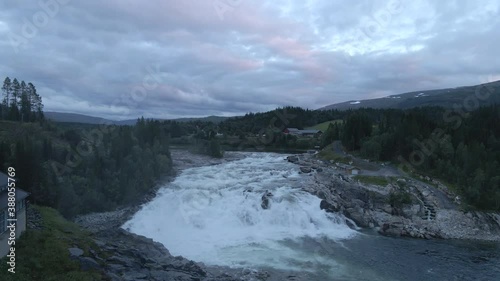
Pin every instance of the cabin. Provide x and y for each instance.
(7, 218)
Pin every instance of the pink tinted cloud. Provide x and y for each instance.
(217, 55)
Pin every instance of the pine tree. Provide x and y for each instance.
(6, 90)
(25, 103)
(16, 93)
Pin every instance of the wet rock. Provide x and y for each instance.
(265, 204)
(358, 216)
(351, 224)
(321, 195)
(392, 229)
(305, 170)
(329, 207)
(293, 159)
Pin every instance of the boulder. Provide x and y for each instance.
(321, 195)
(75, 252)
(357, 215)
(329, 207)
(265, 204)
(305, 170)
(293, 159)
(392, 229)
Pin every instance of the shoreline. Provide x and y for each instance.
(429, 215)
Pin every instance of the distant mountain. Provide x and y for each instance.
(80, 118)
(214, 119)
(75, 118)
(443, 97)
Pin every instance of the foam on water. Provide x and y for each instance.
(213, 214)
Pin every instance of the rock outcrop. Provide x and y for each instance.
(405, 207)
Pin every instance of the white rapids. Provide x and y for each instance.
(213, 214)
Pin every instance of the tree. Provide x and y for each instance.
(6, 90)
(357, 127)
(329, 135)
(25, 103)
(16, 93)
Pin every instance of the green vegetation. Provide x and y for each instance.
(324, 126)
(328, 154)
(399, 199)
(382, 181)
(84, 170)
(357, 127)
(43, 254)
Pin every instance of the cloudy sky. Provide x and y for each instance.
(121, 59)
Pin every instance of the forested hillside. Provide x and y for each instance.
(458, 146)
(78, 168)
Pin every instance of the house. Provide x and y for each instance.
(20, 214)
(305, 133)
(291, 131)
(351, 170)
(310, 133)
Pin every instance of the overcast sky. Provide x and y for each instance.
(121, 59)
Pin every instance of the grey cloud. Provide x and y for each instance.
(92, 55)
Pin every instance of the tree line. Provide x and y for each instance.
(461, 149)
(116, 169)
(20, 101)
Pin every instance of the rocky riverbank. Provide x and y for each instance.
(404, 207)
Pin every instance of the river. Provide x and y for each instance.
(213, 214)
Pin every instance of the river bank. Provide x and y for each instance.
(429, 213)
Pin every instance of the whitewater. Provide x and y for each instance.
(214, 214)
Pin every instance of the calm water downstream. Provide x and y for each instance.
(213, 214)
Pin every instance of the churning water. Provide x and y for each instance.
(215, 215)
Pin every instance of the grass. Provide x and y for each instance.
(43, 254)
(374, 180)
(324, 126)
(328, 154)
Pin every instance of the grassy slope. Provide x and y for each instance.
(43, 254)
(323, 126)
(328, 154)
(382, 181)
